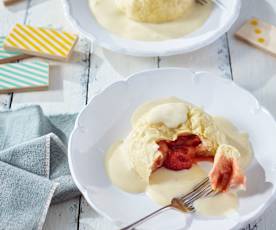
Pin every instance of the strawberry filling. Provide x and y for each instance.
(183, 152)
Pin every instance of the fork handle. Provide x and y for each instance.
(144, 219)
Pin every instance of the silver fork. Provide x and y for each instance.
(183, 203)
(217, 2)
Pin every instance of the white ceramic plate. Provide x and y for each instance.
(107, 119)
(218, 23)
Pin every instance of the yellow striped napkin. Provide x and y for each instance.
(41, 42)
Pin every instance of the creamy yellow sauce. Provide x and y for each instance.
(111, 18)
(223, 204)
(165, 184)
(120, 172)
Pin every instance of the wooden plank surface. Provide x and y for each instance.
(74, 83)
(108, 67)
(213, 58)
(91, 220)
(254, 69)
(63, 216)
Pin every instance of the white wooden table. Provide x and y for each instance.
(72, 84)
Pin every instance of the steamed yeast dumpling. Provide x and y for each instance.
(154, 11)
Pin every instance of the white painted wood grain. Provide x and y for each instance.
(8, 17)
(213, 58)
(108, 67)
(63, 216)
(5, 101)
(67, 93)
(255, 70)
(91, 220)
(252, 68)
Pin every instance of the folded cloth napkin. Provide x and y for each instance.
(34, 170)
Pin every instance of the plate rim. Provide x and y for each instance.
(143, 53)
(262, 108)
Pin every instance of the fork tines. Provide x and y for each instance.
(204, 2)
(203, 189)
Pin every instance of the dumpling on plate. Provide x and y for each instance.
(154, 11)
(174, 135)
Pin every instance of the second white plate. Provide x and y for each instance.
(218, 23)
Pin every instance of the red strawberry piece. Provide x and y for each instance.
(183, 152)
(183, 141)
(178, 161)
(186, 140)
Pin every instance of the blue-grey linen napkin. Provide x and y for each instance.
(34, 170)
